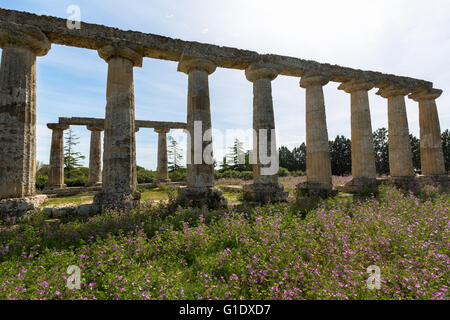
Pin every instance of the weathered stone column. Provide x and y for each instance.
(95, 157)
(363, 157)
(431, 155)
(119, 155)
(265, 187)
(20, 46)
(200, 163)
(56, 166)
(318, 164)
(400, 156)
(163, 172)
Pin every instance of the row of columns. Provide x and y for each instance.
(56, 166)
(363, 161)
(22, 44)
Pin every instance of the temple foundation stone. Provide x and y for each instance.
(119, 156)
(199, 190)
(265, 187)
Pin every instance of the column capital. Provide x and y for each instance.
(162, 130)
(13, 35)
(256, 71)
(355, 85)
(187, 64)
(94, 128)
(118, 50)
(392, 91)
(57, 126)
(425, 94)
(308, 80)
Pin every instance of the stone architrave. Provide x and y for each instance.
(363, 157)
(56, 166)
(318, 164)
(162, 168)
(119, 155)
(200, 166)
(431, 154)
(20, 45)
(265, 187)
(95, 156)
(400, 156)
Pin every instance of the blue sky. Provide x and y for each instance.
(409, 38)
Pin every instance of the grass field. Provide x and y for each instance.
(265, 252)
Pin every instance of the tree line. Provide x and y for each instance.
(341, 154)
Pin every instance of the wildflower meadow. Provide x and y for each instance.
(279, 251)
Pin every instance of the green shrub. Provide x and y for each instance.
(76, 173)
(178, 175)
(145, 176)
(298, 173)
(43, 171)
(246, 175)
(41, 181)
(79, 181)
(283, 172)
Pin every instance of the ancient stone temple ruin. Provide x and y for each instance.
(96, 126)
(25, 36)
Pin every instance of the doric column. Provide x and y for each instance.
(318, 164)
(20, 46)
(265, 186)
(363, 157)
(431, 155)
(400, 156)
(119, 157)
(200, 162)
(163, 173)
(95, 156)
(56, 166)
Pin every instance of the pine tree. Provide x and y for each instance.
(237, 154)
(174, 154)
(71, 157)
(381, 150)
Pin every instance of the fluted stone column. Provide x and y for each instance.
(163, 172)
(20, 46)
(200, 166)
(95, 157)
(318, 164)
(265, 187)
(119, 155)
(400, 156)
(56, 166)
(363, 156)
(431, 155)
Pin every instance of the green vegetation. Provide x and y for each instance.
(262, 252)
